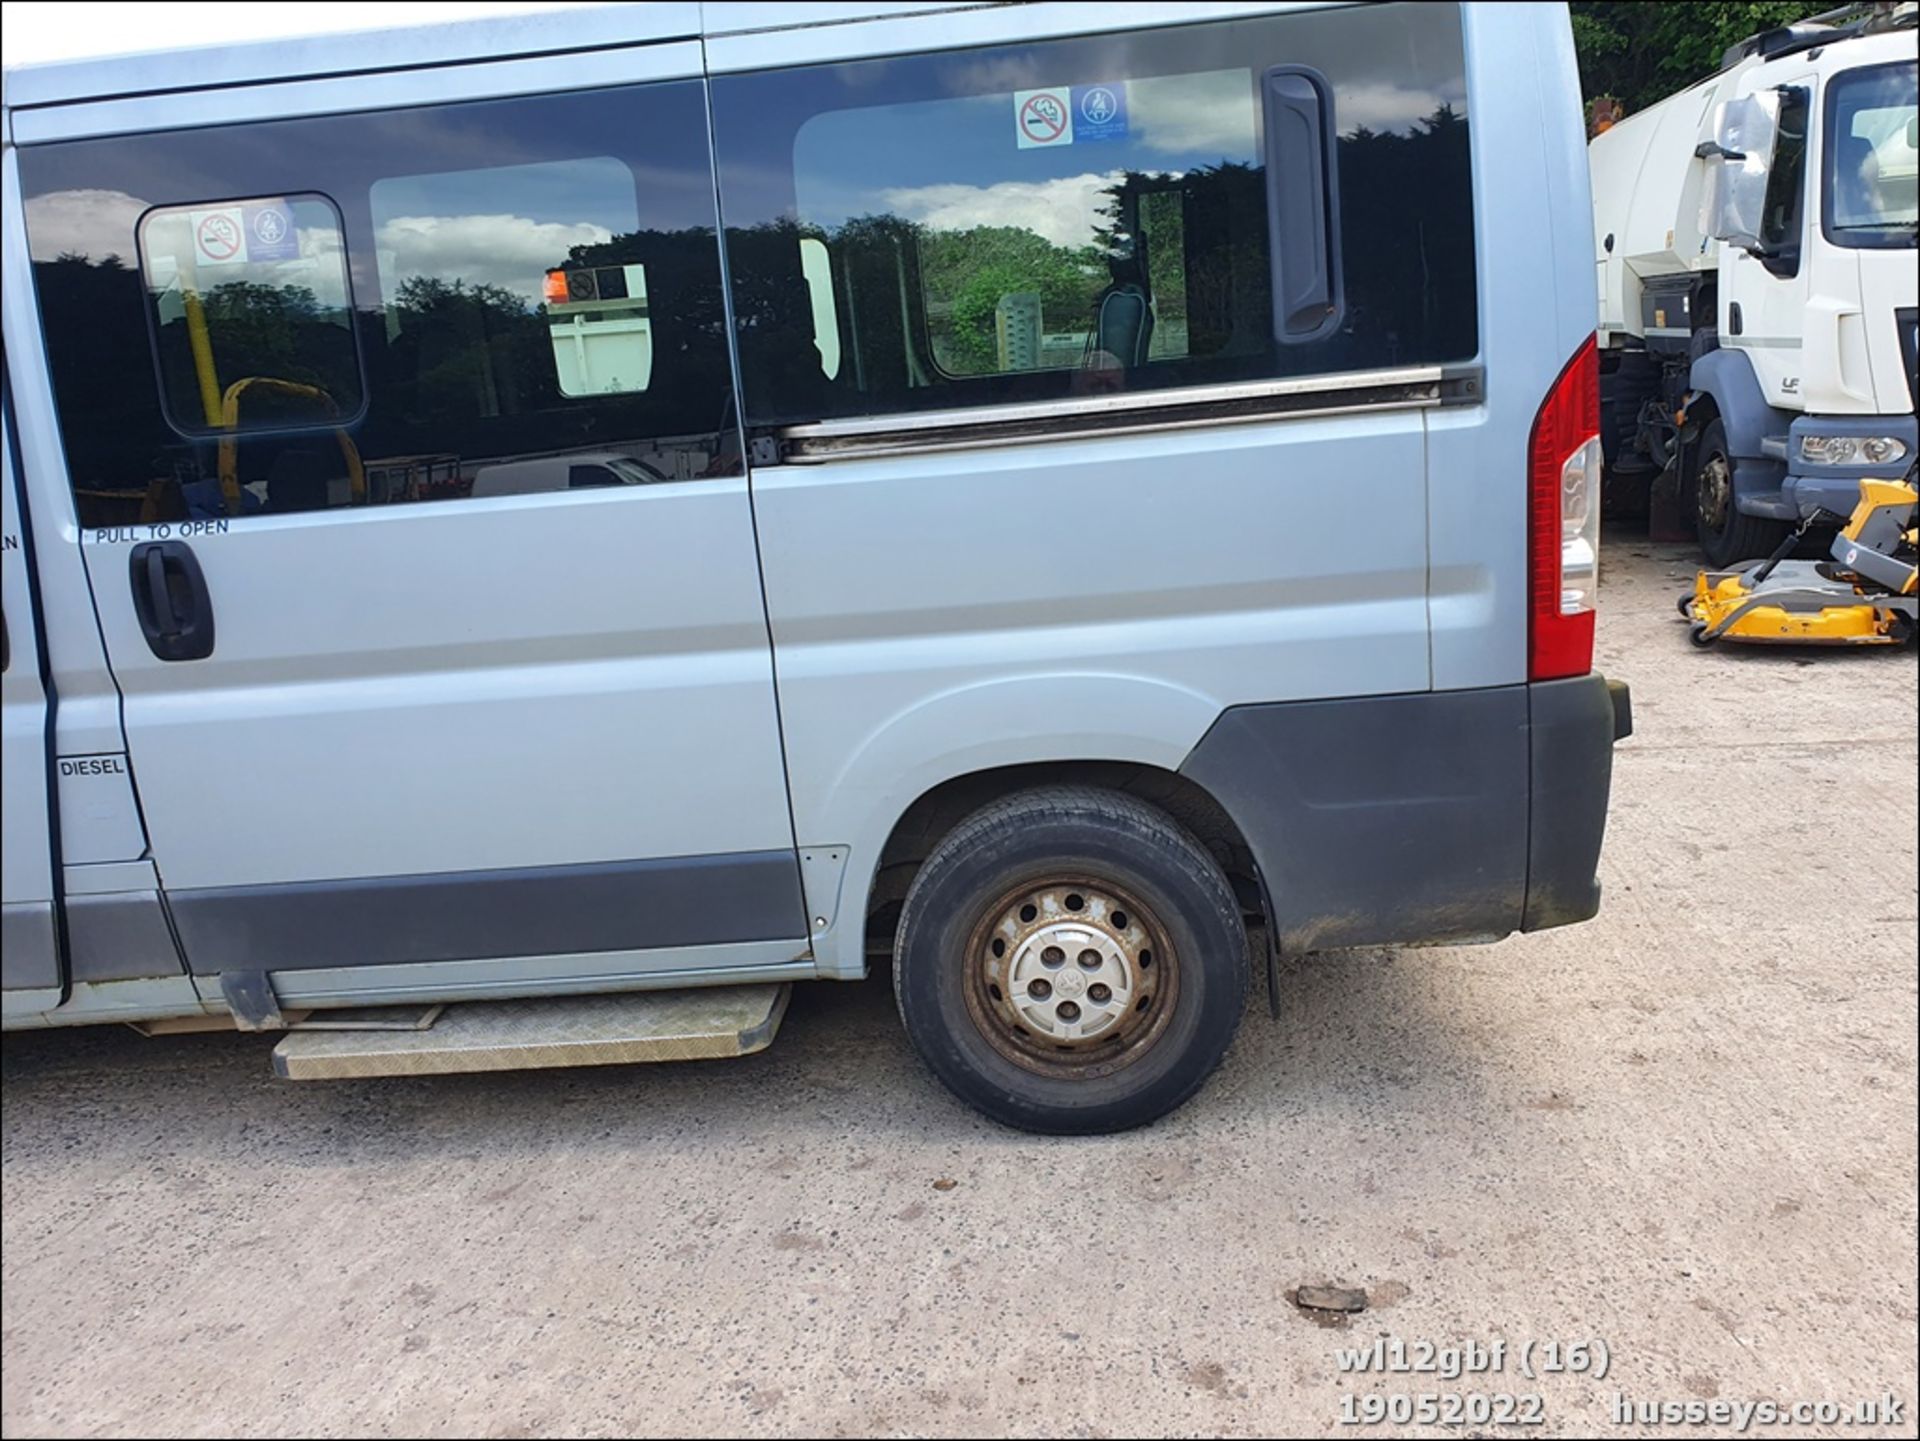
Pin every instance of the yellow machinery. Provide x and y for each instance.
(1866, 594)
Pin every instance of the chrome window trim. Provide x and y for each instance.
(1242, 402)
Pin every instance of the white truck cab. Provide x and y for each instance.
(1755, 243)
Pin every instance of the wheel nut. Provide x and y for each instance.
(1067, 1011)
(1053, 956)
(1090, 960)
(1099, 993)
(1039, 990)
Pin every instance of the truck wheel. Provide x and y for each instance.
(1725, 534)
(1071, 961)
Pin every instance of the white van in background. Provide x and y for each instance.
(1122, 477)
(578, 470)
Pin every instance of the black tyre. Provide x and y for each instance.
(1725, 534)
(1071, 961)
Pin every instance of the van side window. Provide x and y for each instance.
(252, 317)
(1077, 216)
(466, 254)
(434, 324)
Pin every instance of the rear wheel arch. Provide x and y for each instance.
(941, 809)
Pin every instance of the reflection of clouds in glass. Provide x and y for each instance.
(1207, 113)
(979, 78)
(513, 252)
(1382, 105)
(93, 223)
(1063, 211)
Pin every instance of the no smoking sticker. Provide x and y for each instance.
(1043, 118)
(219, 236)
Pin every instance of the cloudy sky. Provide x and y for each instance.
(506, 225)
(867, 161)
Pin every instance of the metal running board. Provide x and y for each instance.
(688, 1025)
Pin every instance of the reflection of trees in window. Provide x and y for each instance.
(470, 367)
(257, 329)
(1198, 242)
(913, 301)
(1406, 222)
(965, 273)
(774, 310)
(469, 350)
(1163, 234)
(689, 393)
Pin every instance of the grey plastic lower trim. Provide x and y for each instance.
(119, 937)
(1573, 724)
(29, 959)
(1424, 819)
(469, 915)
(1391, 820)
(88, 1003)
(508, 977)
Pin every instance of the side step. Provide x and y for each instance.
(689, 1025)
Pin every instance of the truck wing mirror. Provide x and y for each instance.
(1738, 160)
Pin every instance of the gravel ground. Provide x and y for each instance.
(1686, 1130)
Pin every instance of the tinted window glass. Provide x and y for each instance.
(444, 239)
(1042, 220)
(533, 281)
(1786, 184)
(252, 320)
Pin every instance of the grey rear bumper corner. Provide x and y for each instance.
(1572, 728)
(1439, 817)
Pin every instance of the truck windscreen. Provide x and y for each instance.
(1871, 170)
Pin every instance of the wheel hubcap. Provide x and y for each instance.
(1070, 977)
(1715, 491)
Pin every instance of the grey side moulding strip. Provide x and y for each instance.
(473, 915)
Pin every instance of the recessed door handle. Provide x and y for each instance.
(157, 597)
(171, 600)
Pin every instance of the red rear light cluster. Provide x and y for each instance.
(1563, 521)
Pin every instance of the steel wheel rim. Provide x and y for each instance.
(1715, 492)
(1070, 976)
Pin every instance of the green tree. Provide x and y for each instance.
(965, 272)
(474, 347)
(1641, 51)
